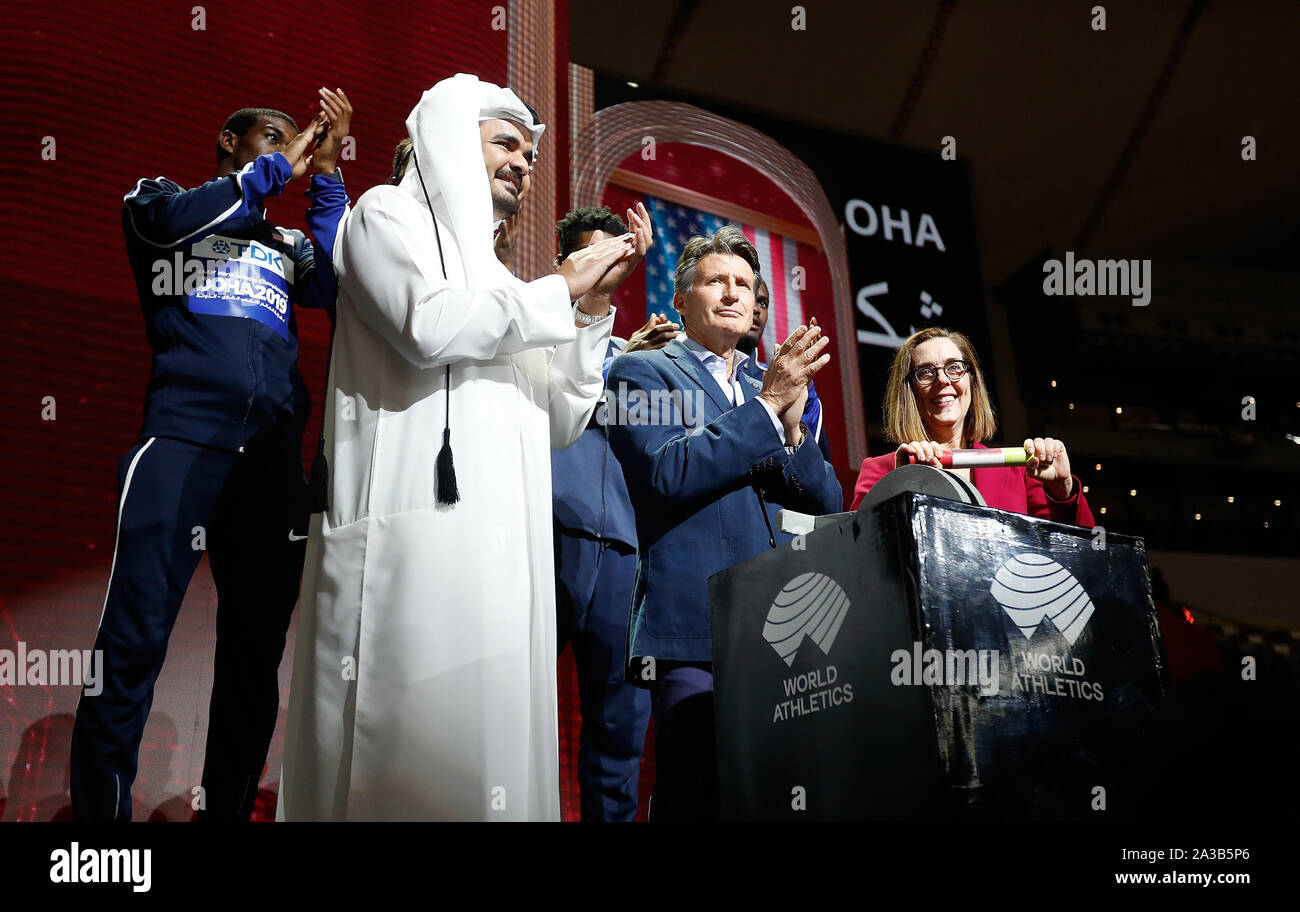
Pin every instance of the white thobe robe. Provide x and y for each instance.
(424, 683)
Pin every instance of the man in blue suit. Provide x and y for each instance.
(711, 448)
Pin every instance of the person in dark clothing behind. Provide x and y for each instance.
(218, 464)
(595, 565)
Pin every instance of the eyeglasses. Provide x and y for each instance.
(928, 373)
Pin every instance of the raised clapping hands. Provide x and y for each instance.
(643, 239)
(585, 267)
(296, 150)
(503, 242)
(338, 117)
(657, 332)
(785, 385)
(319, 144)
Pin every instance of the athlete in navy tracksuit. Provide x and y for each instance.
(219, 459)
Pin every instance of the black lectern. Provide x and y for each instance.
(925, 658)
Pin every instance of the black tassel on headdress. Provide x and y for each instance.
(446, 492)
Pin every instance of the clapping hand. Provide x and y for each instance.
(642, 238)
(296, 150)
(657, 332)
(785, 384)
(338, 116)
(503, 242)
(585, 267)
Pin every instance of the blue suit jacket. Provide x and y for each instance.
(705, 492)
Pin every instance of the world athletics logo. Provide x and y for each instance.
(810, 605)
(1031, 587)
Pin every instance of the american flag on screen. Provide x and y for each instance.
(777, 257)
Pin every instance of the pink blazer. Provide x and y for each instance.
(1010, 489)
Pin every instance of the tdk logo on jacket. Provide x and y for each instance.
(234, 249)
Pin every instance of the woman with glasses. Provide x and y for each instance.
(936, 400)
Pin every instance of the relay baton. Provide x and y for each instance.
(969, 459)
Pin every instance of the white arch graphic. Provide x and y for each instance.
(616, 132)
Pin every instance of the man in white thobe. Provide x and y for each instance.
(424, 673)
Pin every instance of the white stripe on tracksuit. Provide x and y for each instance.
(121, 507)
(117, 533)
(201, 232)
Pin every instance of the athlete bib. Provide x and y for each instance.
(242, 278)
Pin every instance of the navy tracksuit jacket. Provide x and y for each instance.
(217, 467)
